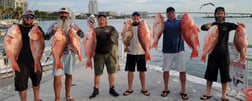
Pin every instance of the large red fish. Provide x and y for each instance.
(58, 44)
(12, 44)
(189, 32)
(37, 44)
(241, 42)
(75, 42)
(127, 34)
(158, 28)
(210, 42)
(144, 36)
(89, 43)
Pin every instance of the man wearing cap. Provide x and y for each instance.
(68, 58)
(173, 51)
(219, 57)
(136, 56)
(26, 62)
(107, 37)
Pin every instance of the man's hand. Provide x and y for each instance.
(208, 25)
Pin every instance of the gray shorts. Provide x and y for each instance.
(177, 58)
(68, 62)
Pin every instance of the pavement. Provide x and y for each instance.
(83, 87)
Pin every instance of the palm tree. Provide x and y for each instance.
(19, 11)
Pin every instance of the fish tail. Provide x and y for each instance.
(242, 57)
(80, 58)
(154, 45)
(15, 67)
(89, 63)
(59, 64)
(194, 54)
(203, 58)
(37, 67)
(147, 56)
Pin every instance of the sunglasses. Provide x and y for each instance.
(29, 16)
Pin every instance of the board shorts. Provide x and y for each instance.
(177, 58)
(133, 60)
(100, 60)
(22, 77)
(68, 62)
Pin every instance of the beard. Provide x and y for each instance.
(64, 24)
(220, 19)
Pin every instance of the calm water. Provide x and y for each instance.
(194, 66)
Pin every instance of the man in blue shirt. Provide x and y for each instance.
(173, 50)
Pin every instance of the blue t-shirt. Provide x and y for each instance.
(172, 40)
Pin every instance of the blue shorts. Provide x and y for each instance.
(68, 62)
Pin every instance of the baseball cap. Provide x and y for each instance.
(64, 9)
(219, 9)
(100, 15)
(170, 9)
(136, 13)
(28, 12)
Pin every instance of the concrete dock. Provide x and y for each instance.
(83, 87)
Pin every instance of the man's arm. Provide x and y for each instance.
(50, 32)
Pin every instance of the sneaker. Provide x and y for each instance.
(113, 92)
(95, 92)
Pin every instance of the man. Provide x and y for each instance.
(219, 58)
(68, 58)
(106, 36)
(26, 61)
(136, 55)
(173, 50)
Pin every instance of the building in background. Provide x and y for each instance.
(93, 7)
(14, 4)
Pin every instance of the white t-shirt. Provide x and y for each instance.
(135, 47)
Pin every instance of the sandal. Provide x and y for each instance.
(70, 98)
(165, 93)
(184, 96)
(205, 97)
(127, 92)
(145, 92)
(224, 99)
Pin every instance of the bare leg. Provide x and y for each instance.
(183, 81)
(68, 83)
(209, 87)
(166, 80)
(36, 93)
(97, 81)
(142, 79)
(22, 95)
(224, 90)
(57, 87)
(111, 79)
(130, 80)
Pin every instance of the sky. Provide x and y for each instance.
(128, 6)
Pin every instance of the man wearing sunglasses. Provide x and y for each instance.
(26, 61)
(68, 58)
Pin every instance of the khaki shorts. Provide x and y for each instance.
(177, 58)
(100, 60)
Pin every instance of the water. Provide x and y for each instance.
(195, 66)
